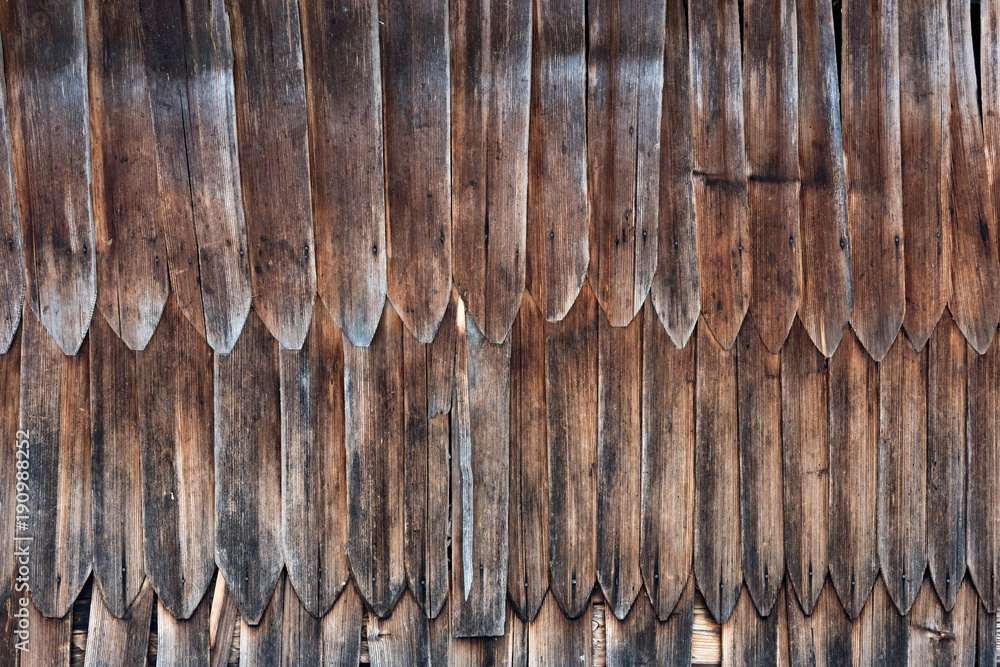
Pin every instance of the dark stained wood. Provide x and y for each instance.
(631, 640)
(674, 289)
(314, 478)
(770, 82)
(116, 472)
(988, 71)
(853, 444)
(121, 640)
(674, 636)
(554, 639)
(439, 630)
(490, 102)
(270, 94)
(184, 643)
(870, 104)
(509, 650)
(762, 530)
(947, 374)
(624, 102)
(373, 428)
(222, 623)
(823, 638)
(401, 639)
(805, 460)
(260, 644)
(720, 173)
(12, 263)
(571, 351)
(248, 469)
(415, 91)
(10, 457)
(55, 420)
(667, 487)
(49, 641)
(528, 561)
(558, 217)
(342, 629)
(751, 640)
(301, 632)
(45, 56)
(480, 482)
(717, 544)
(344, 92)
(881, 636)
(939, 637)
(986, 637)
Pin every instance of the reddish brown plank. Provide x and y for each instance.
(983, 441)
(823, 638)
(988, 70)
(571, 351)
(222, 623)
(13, 459)
(881, 635)
(401, 639)
(751, 640)
(48, 641)
(260, 643)
(342, 629)
(184, 642)
(119, 640)
(940, 637)
(12, 263)
(490, 95)
(270, 94)
(554, 639)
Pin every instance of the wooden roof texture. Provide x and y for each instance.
(448, 324)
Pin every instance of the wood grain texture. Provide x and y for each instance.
(988, 71)
(805, 464)
(853, 446)
(260, 643)
(880, 636)
(301, 632)
(983, 492)
(770, 83)
(270, 94)
(870, 104)
(631, 640)
(762, 532)
(50, 641)
(674, 637)
(401, 639)
(571, 351)
(558, 214)
(314, 521)
(667, 484)
(119, 640)
(624, 102)
(940, 637)
(751, 640)
(55, 418)
(247, 400)
(342, 629)
(184, 642)
(823, 638)
(373, 429)
(11, 252)
(717, 541)
(10, 457)
(947, 375)
(554, 639)
(509, 650)
(986, 637)
(416, 93)
(344, 92)
(490, 93)
(222, 623)
(480, 482)
(720, 171)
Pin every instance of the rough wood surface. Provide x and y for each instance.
(402, 639)
(823, 638)
(554, 639)
(510, 649)
(260, 643)
(986, 638)
(749, 640)
(301, 632)
(939, 637)
(674, 637)
(50, 641)
(988, 72)
(881, 635)
(631, 640)
(342, 629)
(120, 639)
(983, 442)
(222, 623)
(184, 642)
(10, 461)
(11, 252)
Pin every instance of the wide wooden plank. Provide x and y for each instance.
(824, 637)
(46, 64)
(301, 632)
(119, 640)
(853, 446)
(314, 464)
(373, 430)
(631, 640)
(184, 642)
(667, 486)
(751, 640)
(571, 351)
(48, 641)
(54, 423)
(260, 643)
(480, 481)
(880, 636)
(416, 60)
(870, 104)
(270, 94)
(558, 217)
(248, 469)
(805, 458)
(116, 472)
(940, 637)
(554, 639)
(401, 639)
(12, 263)
(342, 629)
(720, 170)
(717, 544)
(509, 650)
(10, 462)
(490, 102)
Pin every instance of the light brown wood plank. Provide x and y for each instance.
(119, 640)
(982, 537)
(751, 640)
(342, 629)
(631, 640)
(509, 650)
(823, 638)
(401, 639)
(988, 71)
(301, 632)
(261, 643)
(554, 639)
(986, 638)
(939, 637)
(880, 636)
(184, 642)
(11, 458)
(674, 636)
(49, 641)
(222, 623)
(11, 252)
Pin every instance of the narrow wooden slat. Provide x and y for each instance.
(558, 222)
(760, 456)
(983, 493)
(373, 429)
(314, 485)
(439, 630)
(343, 89)
(749, 639)
(480, 482)
(571, 351)
(631, 640)
(119, 570)
(870, 103)
(720, 174)
(10, 462)
(12, 262)
(940, 637)
(45, 59)
(823, 638)
(508, 650)
(805, 459)
(988, 71)
(55, 419)
(528, 563)
(675, 636)
(49, 641)
(270, 94)
(667, 487)
(301, 632)
(184, 642)
(490, 93)
(260, 643)
(853, 429)
(770, 81)
(415, 57)
(986, 638)
(880, 636)
(119, 640)
(401, 639)
(554, 639)
(248, 469)
(222, 623)
(717, 545)
(342, 629)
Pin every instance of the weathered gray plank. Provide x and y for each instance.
(751, 640)
(12, 262)
(401, 639)
(10, 461)
(260, 643)
(554, 639)
(119, 640)
(940, 637)
(184, 642)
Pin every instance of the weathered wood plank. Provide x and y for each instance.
(49, 644)
(986, 638)
(717, 544)
(720, 172)
(373, 429)
(10, 461)
(260, 643)
(12, 264)
(248, 469)
(674, 637)
(184, 642)
(824, 637)
(751, 640)
(416, 63)
(853, 445)
(631, 640)
(490, 93)
(880, 636)
(270, 94)
(342, 629)
(401, 639)
(301, 632)
(571, 351)
(989, 86)
(554, 639)
(119, 640)
(509, 650)
(940, 637)
(983, 495)
(222, 623)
